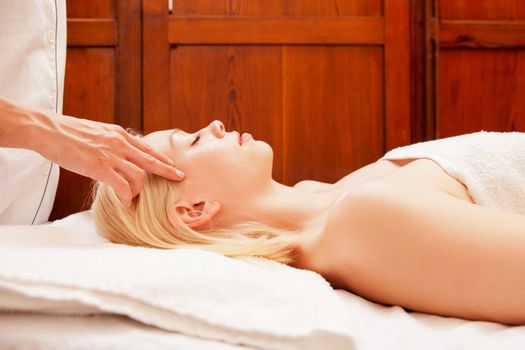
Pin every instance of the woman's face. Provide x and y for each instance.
(218, 165)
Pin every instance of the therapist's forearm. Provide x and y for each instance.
(21, 125)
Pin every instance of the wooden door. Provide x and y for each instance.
(480, 66)
(331, 85)
(326, 83)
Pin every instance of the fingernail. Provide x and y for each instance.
(170, 162)
(179, 173)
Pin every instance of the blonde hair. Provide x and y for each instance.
(145, 223)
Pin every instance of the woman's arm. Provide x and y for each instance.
(103, 152)
(428, 251)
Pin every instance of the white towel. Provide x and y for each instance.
(490, 164)
(248, 301)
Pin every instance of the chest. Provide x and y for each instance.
(403, 175)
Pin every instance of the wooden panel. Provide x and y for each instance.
(480, 69)
(421, 71)
(89, 92)
(90, 8)
(239, 85)
(397, 73)
(323, 94)
(333, 111)
(278, 7)
(482, 9)
(317, 89)
(484, 34)
(481, 89)
(156, 66)
(91, 32)
(129, 64)
(228, 30)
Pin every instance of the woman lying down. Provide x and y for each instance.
(400, 231)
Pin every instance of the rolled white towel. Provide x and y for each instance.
(490, 164)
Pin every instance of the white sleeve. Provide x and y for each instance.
(32, 65)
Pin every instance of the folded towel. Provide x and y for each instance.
(249, 301)
(490, 164)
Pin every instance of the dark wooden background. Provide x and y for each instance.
(330, 84)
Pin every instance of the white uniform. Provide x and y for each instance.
(32, 65)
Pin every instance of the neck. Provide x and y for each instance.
(287, 207)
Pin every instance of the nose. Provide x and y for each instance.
(217, 128)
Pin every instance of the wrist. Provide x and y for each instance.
(37, 129)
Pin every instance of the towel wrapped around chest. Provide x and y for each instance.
(490, 164)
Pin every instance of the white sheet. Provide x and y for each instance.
(112, 332)
(376, 327)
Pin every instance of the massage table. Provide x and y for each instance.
(64, 287)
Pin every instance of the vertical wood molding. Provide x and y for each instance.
(397, 73)
(418, 69)
(129, 64)
(156, 66)
(432, 43)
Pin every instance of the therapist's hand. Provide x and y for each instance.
(105, 152)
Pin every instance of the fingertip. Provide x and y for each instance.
(125, 202)
(180, 174)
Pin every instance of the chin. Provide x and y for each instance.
(266, 147)
(261, 146)
(258, 159)
(266, 155)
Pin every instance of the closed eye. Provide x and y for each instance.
(196, 140)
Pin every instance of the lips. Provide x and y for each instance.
(243, 137)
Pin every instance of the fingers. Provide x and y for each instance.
(108, 154)
(126, 179)
(153, 161)
(120, 185)
(147, 149)
(133, 175)
(153, 165)
(126, 175)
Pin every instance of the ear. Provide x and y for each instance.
(196, 215)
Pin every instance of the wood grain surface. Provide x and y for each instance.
(480, 66)
(330, 84)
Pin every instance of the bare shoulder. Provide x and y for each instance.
(428, 251)
(336, 250)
